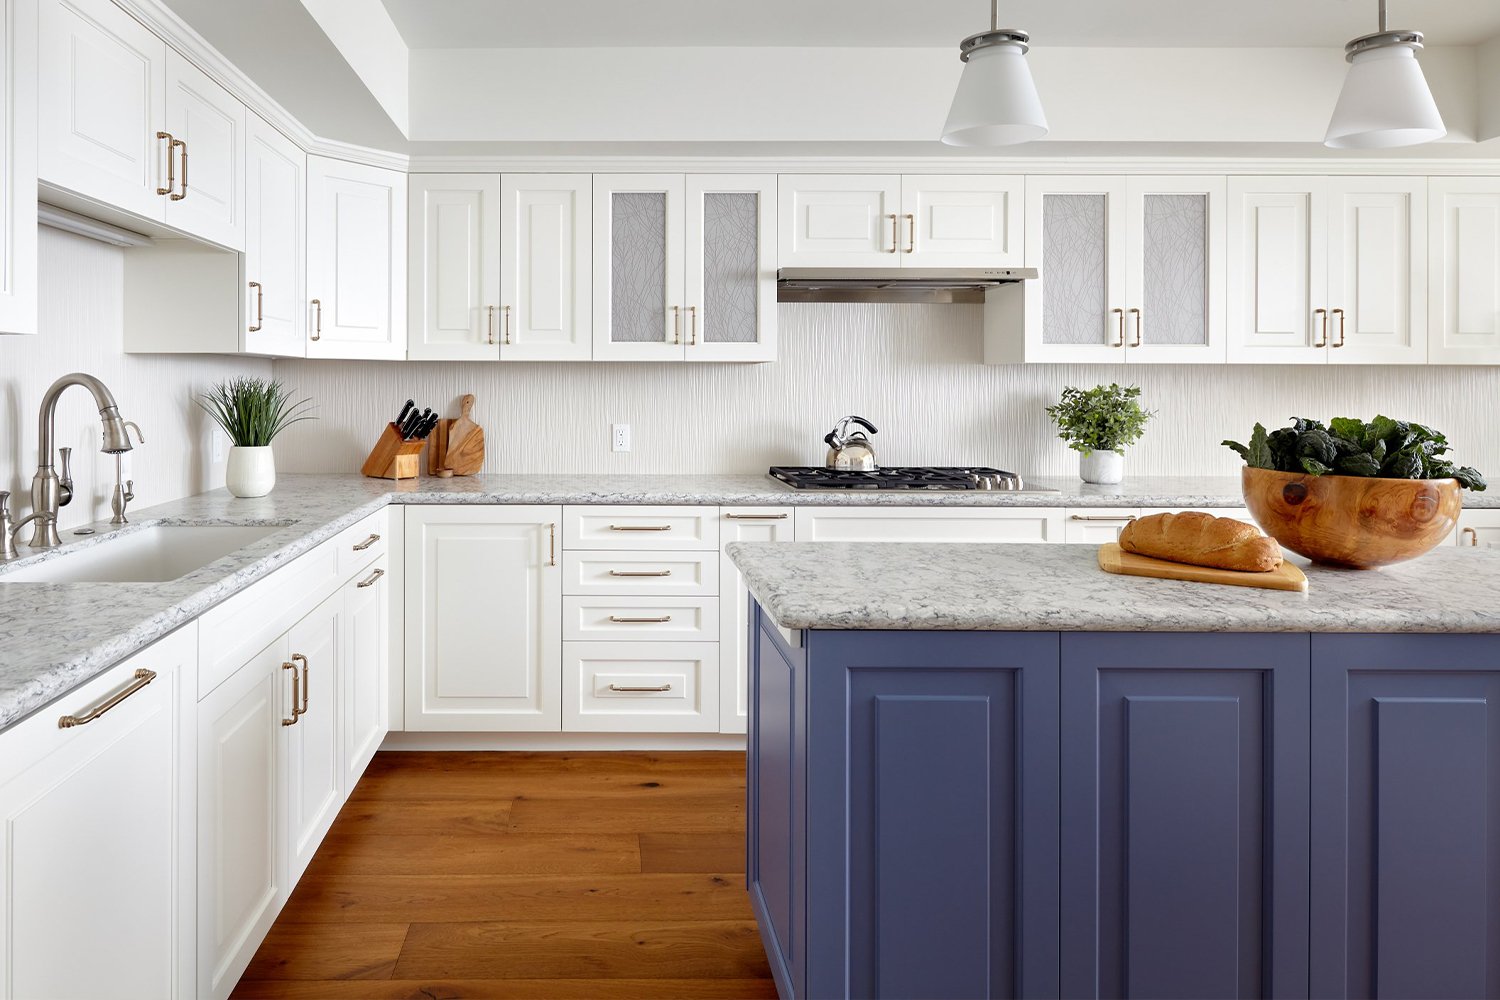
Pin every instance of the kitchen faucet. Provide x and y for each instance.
(49, 492)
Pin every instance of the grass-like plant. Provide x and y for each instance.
(1104, 418)
(253, 411)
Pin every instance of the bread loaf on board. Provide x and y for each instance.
(1202, 540)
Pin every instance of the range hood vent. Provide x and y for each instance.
(894, 284)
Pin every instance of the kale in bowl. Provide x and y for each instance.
(1381, 449)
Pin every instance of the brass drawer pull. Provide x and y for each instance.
(911, 233)
(506, 311)
(366, 543)
(259, 310)
(895, 233)
(180, 144)
(757, 517)
(552, 544)
(618, 620)
(317, 305)
(693, 326)
(1472, 535)
(1340, 314)
(1322, 315)
(632, 688)
(490, 336)
(1101, 517)
(296, 694)
(640, 572)
(1137, 341)
(677, 324)
(371, 581)
(306, 684)
(640, 527)
(142, 677)
(171, 164)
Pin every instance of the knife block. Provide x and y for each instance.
(394, 458)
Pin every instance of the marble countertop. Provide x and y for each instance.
(1038, 587)
(55, 636)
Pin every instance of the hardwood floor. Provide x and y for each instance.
(502, 876)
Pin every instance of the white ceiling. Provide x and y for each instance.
(478, 24)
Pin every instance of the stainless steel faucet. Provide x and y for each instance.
(49, 492)
(9, 530)
(124, 488)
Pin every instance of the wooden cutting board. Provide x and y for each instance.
(1113, 559)
(460, 447)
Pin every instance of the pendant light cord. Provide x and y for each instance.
(1382, 16)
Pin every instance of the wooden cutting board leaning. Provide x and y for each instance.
(1113, 559)
(457, 445)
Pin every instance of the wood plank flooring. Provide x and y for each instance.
(502, 876)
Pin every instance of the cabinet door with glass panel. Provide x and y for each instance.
(731, 267)
(1075, 237)
(638, 267)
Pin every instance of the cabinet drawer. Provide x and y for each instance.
(661, 687)
(362, 543)
(1096, 525)
(633, 618)
(685, 574)
(639, 527)
(929, 524)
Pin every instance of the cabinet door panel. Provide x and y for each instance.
(731, 267)
(638, 267)
(741, 524)
(314, 744)
(961, 221)
(1464, 276)
(1096, 525)
(366, 659)
(1278, 270)
(1377, 243)
(18, 146)
(1406, 897)
(546, 286)
(454, 267)
(102, 101)
(210, 123)
(829, 220)
(356, 239)
(1175, 242)
(1075, 234)
(634, 687)
(1184, 762)
(484, 628)
(275, 227)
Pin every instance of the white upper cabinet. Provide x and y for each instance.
(961, 221)
(356, 249)
(731, 267)
(638, 267)
(274, 303)
(207, 156)
(834, 220)
(454, 267)
(1464, 270)
(1174, 270)
(1327, 270)
(18, 155)
(546, 284)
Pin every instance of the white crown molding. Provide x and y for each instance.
(193, 47)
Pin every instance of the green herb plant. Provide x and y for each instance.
(1381, 449)
(253, 411)
(1104, 418)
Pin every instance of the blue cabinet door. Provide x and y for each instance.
(1184, 815)
(1406, 816)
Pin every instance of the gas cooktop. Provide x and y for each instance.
(917, 477)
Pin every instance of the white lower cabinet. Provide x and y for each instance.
(483, 618)
(929, 524)
(1096, 525)
(314, 749)
(641, 687)
(96, 886)
(367, 661)
(1478, 529)
(741, 524)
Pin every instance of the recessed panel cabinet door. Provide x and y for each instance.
(1377, 270)
(454, 267)
(366, 658)
(1278, 270)
(741, 524)
(483, 618)
(1184, 815)
(275, 227)
(314, 743)
(832, 220)
(356, 250)
(546, 280)
(18, 147)
(961, 221)
(207, 124)
(102, 101)
(1406, 816)
(1464, 270)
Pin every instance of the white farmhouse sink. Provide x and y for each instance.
(153, 554)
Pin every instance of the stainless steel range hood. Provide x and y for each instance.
(894, 284)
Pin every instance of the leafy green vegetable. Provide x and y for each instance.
(1104, 418)
(1383, 448)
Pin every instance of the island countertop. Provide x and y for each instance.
(1038, 587)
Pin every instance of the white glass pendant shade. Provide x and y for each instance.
(996, 103)
(1385, 102)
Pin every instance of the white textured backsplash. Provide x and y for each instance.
(913, 370)
(82, 329)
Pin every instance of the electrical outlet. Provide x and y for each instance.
(619, 437)
(216, 447)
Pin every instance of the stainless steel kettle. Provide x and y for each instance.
(851, 450)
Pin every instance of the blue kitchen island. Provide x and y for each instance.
(995, 771)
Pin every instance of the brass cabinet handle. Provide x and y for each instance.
(1340, 314)
(140, 679)
(171, 164)
(178, 144)
(1322, 340)
(640, 572)
(634, 687)
(489, 337)
(895, 233)
(306, 684)
(677, 324)
(366, 543)
(640, 527)
(757, 517)
(1101, 517)
(618, 620)
(318, 326)
(370, 581)
(1137, 341)
(911, 233)
(552, 545)
(259, 308)
(296, 694)
(1120, 334)
(692, 326)
(1473, 536)
(506, 311)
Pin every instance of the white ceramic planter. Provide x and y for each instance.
(251, 471)
(1102, 467)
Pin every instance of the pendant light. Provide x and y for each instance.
(1385, 101)
(996, 103)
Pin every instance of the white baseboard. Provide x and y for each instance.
(565, 741)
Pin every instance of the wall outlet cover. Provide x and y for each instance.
(619, 437)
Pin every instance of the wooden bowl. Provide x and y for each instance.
(1350, 520)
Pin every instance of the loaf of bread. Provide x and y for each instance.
(1202, 540)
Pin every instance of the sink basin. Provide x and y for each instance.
(154, 554)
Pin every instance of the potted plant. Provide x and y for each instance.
(252, 411)
(1100, 423)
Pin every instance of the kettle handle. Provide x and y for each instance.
(863, 423)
